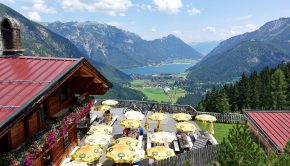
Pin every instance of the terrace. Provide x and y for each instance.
(189, 147)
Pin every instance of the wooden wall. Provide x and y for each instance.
(55, 104)
(58, 151)
(262, 141)
(17, 135)
(32, 124)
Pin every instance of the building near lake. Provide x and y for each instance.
(271, 128)
(38, 98)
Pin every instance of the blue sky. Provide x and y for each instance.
(191, 20)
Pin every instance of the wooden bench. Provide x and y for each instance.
(74, 150)
(176, 146)
(189, 142)
(213, 140)
(114, 120)
(93, 118)
(148, 141)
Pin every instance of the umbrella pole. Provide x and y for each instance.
(158, 126)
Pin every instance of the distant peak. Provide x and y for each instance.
(275, 24)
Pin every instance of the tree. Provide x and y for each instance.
(255, 91)
(240, 149)
(222, 102)
(266, 97)
(278, 89)
(244, 93)
(283, 159)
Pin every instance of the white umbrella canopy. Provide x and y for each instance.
(75, 163)
(110, 102)
(162, 137)
(140, 155)
(98, 139)
(134, 115)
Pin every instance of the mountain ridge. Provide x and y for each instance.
(267, 46)
(106, 43)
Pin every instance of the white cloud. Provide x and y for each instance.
(244, 17)
(251, 27)
(176, 32)
(169, 6)
(193, 11)
(210, 29)
(33, 16)
(11, 1)
(153, 30)
(39, 6)
(110, 7)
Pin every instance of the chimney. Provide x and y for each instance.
(11, 39)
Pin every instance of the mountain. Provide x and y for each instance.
(204, 47)
(267, 46)
(37, 40)
(122, 49)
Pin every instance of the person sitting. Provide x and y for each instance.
(107, 117)
(126, 132)
(141, 131)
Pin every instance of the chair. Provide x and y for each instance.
(176, 146)
(140, 139)
(113, 120)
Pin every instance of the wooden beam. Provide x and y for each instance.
(81, 82)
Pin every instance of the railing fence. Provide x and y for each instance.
(176, 108)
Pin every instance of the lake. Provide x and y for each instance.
(161, 69)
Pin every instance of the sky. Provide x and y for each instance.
(191, 20)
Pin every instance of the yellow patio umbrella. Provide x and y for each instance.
(88, 153)
(110, 102)
(181, 117)
(160, 153)
(162, 137)
(102, 108)
(126, 141)
(75, 163)
(130, 123)
(207, 118)
(185, 127)
(158, 116)
(121, 153)
(101, 129)
(98, 139)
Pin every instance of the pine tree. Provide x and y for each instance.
(200, 107)
(239, 149)
(278, 89)
(255, 90)
(266, 97)
(222, 102)
(244, 93)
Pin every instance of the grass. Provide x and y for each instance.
(176, 93)
(137, 83)
(156, 94)
(221, 130)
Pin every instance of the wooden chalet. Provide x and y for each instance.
(271, 128)
(35, 90)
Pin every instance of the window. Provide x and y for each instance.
(43, 113)
(66, 140)
(63, 94)
(47, 159)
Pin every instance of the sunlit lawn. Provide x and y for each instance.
(137, 83)
(221, 130)
(156, 94)
(176, 93)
